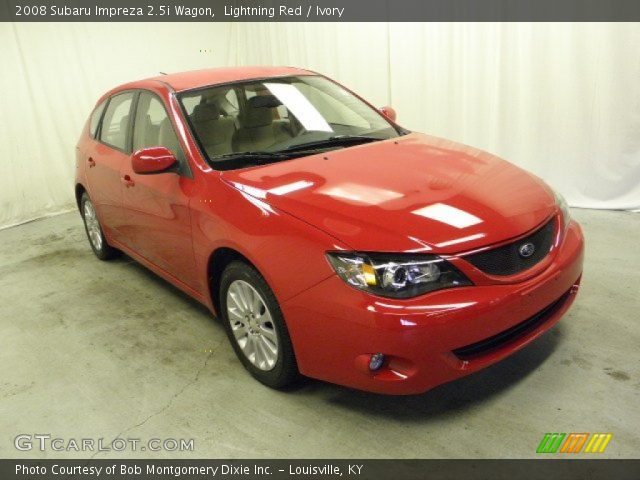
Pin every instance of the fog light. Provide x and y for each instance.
(376, 361)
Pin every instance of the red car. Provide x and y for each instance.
(331, 242)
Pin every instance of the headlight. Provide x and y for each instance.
(396, 275)
(564, 208)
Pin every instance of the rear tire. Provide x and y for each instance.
(92, 226)
(255, 326)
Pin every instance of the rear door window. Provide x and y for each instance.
(153, 127)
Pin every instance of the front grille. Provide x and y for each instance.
(507, 260)
(474, 350)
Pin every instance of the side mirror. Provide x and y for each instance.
(389, 112)
(152, 160)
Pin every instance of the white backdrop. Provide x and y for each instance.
(562, 100)
(51, 76)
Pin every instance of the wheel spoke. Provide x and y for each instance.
(233, 296)
(261, 356)
(256, 306)
(250, 348)
(242, 341)
(248, 296)
(270, 348)
(242, 297)
(270, 335)
(233, 312)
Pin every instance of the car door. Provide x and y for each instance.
(105, 157)
(156, 206)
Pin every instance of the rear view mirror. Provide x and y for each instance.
(389, 112)
(152, 160)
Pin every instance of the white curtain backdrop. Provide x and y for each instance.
(51, 76)
(561, 100)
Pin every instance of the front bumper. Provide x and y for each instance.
(431, 339)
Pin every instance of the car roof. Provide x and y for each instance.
(213, 76)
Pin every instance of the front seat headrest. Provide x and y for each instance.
(206, 111)
(264, 101)
(258, 111)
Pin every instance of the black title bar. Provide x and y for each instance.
(327, 469)
(318, 10)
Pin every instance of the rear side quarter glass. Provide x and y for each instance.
(94, 122)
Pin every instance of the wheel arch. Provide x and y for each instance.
(79, 191)
(219, 259)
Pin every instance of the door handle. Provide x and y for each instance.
(92, 162)
(128, 182)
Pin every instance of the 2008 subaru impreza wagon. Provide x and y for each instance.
(331, 242)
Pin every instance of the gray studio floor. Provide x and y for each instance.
(91, 349)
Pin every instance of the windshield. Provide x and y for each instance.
(276, 119)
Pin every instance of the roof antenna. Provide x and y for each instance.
(162, 73)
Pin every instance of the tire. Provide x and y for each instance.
(254, 339)
(93, 229)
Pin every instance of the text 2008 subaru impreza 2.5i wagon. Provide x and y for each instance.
(331, 242)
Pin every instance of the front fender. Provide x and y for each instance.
(288, 252)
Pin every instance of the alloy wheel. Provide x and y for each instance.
(252, 325)
(93, 227)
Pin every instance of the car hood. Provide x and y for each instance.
(415, 193)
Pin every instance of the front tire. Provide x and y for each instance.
(92, 226)
(255, 326)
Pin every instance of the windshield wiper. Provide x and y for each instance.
(257, 155)
(263, 156)
(332, 141)
(234, 160)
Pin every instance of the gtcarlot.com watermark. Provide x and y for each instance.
(27, 442)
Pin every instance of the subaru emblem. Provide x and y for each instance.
(526, 249)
